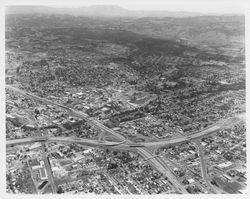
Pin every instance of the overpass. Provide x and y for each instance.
(205, 132)
(126, 143)
(140, 148)
(87, 142)
(73, 112)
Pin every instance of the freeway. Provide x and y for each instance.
(205, 132)
(125, 143)
(73, 112)
(88, 142)
(203, 164)
(162, 168)
(48, 170)
(204, 167)
(24, 141)
(212, 129)
(156, 162)
(212, 189)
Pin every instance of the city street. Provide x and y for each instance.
(156, 162)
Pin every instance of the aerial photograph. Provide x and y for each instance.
(112, 99)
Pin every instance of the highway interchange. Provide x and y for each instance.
(141, 148)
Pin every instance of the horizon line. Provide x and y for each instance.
(70, 6)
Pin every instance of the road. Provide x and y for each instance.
(124, 143)
(32, 177)
(205, 132)
(73, 112)
(48, 170)
(87, 142)
(212, 129)
(204, 166)
(212, 189)
(156, 162)
(162, 168)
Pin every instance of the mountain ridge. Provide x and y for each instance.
(102, 11)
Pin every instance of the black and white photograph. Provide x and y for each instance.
(124, 98)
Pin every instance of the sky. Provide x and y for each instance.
(202, 6)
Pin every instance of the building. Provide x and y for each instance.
(39, 166)
(43, 174)
(225, 165)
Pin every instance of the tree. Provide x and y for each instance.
(60, 190)
(107, 151)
